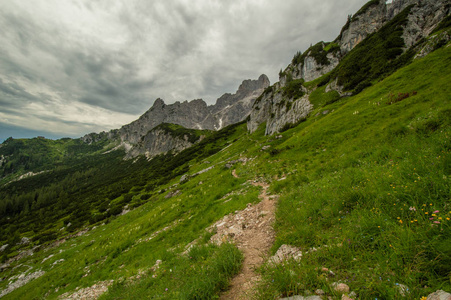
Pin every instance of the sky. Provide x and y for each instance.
(71, 67)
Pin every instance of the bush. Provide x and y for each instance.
(145, 196)
(361, 86)
(393, 98)
(294, 89)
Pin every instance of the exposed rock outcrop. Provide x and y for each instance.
(321, 58)
(163, 139)
(193, 114)
(21, 280)
(425, 15)
(278, 112)
(230, 109)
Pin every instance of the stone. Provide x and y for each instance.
(172, 194)
(24, 241)
(21, 281)
(345, 297)
(157, 264)
(340, 287)
(92, 292)
(3, 247)
(277, 112)
(273, 110)
(320, 292)
(403, 290)
(158, 141)
(286, 252)
(298, 297)
(439, 295)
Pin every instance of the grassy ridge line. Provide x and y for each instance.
(374, 179)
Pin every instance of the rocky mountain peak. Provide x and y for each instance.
(248, 86)
(159, 103)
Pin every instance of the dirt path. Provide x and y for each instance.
(251, 229)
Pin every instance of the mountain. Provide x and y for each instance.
(229, 109)
(398, 30)
(166, 138)
(339, 191)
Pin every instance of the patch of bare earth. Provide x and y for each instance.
(252, 231)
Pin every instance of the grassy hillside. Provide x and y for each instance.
(369, 179)
(85, 190)
(19, 156)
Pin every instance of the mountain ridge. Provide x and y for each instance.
(332, 62)
(195, 114)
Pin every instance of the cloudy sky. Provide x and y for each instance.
(70, 67)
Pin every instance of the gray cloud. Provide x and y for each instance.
(68, 61)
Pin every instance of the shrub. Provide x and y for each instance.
(294, 89)
(393, 98)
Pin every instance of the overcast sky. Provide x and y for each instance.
(68, 68)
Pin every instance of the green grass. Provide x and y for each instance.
(174, 130)
(320, 98)
(371, 181)
(200, 274)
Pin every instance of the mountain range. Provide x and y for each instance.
(142, 137)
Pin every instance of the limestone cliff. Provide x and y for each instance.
(324, 57)
(278, 110)
(164, 138)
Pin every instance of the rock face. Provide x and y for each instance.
(161, 140)
(137, 137)
(423, 18)
(323, 57)
(192, 114)
(425, 15)
(230, 109)
(278, 112)
(23, 279)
